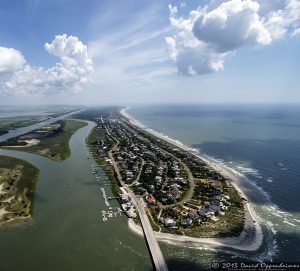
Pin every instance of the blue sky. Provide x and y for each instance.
(116, 52)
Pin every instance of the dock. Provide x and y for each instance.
(110, 198)
(111, 214)
(105, 197)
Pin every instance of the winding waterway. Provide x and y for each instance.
(67, 231)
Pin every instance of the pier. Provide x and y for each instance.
(105, 197)
(110, 198)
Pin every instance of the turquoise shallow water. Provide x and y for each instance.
(260, 142)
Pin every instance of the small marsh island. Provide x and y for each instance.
(51, 140)
(17, 183)
(182, 194)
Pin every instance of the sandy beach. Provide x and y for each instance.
(29, 142)
(3, 212)
(1, 189)
(251, 237)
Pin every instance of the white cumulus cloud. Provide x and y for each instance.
(72, 71)
(231, 25)
(283, 21)
(205, 38)
(296, 32)
(10, 60)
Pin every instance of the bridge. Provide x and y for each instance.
(157, 256)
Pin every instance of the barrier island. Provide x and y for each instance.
(182, 193)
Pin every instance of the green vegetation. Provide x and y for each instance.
(17, 184)
(153, 223)
(107, 168)
(54, 146)
(3, 132)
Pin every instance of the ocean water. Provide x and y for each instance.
(261, 142)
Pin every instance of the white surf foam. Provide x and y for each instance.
(270, 180)
(289, 223)
(251, 171)
(282, 166)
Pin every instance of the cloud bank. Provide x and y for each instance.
(73, 70)
(211, 34)
(10, 60)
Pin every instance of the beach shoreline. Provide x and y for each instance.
(250, 238)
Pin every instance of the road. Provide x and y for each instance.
(139, 174)
(190, 179)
